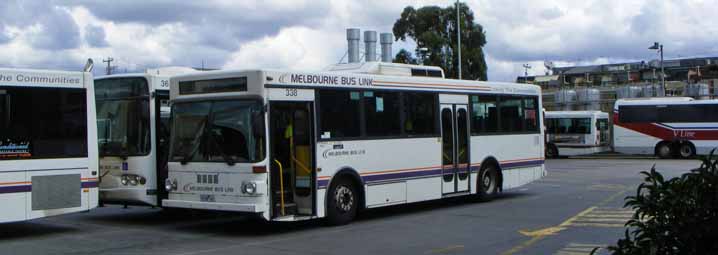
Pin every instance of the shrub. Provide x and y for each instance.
(676, 216)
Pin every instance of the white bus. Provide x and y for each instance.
(132, 125)
(666, 127)
(298, 145)
(48, 144)
(571, 133)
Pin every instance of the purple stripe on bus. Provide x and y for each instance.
(15, 189)
(89, 185)
(428, 173)
(522, 164)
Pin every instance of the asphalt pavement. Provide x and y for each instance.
(577, 207)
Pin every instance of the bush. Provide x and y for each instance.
(676, 216)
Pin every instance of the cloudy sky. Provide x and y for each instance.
(310, 34)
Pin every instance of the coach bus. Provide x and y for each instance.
(132, 117)
(571, 133)
(666, 127)
(48, 144)
(292, 146)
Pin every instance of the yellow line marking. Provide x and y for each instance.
(571, 253)
(600, 225)
(601, 220)
(579, 248)
(448, 249)
(542, 233)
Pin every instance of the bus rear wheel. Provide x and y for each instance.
(342, 202)
(487, 184)
(664, 150)
(687, 150)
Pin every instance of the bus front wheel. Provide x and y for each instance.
(343, 201)
(664, 150)
(551, 151)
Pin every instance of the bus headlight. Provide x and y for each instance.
(124, 180)
(249, 188)
(169, 185)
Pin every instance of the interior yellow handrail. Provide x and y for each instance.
(301, 165)
(281, 186)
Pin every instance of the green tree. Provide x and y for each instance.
(675, 216)
(434, 28)
(405, 57)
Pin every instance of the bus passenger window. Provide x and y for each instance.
(381, 110)
(484, 114)
(339, 113)
(420, 112)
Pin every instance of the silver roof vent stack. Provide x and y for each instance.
(370, 44)
(353, 37)
(386, 40)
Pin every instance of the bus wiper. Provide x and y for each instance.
(226, 157)
(195, 143)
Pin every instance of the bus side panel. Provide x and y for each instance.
(631, 142)
(13, 193)
(92, 162)
(415, 162)
(521, 160)
(64, 196)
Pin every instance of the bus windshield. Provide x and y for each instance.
(123, 122)
(230, 131)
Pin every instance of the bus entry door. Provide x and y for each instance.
(454, 148)
(292, 145)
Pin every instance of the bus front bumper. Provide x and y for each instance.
(232, 207)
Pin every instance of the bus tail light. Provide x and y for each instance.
(259, 169)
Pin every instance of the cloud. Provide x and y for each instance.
(95, 36)
(304, 34)
(55, 30)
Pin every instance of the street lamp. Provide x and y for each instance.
(526, 72)
(659, 47)
(458, 35)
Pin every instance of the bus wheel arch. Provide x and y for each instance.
(490, 166)
(344, 176)
(664, 149)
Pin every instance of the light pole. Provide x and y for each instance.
(659, 47)
(526, 72)
(458, 35)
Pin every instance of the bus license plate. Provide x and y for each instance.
(206, 198)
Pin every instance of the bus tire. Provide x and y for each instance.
(487, 185)
(551, 151)
(687, 150)
(342, 203)
(664, 150)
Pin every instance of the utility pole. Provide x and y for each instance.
(458, 34)
(109, 60)
(526, 72)
(659, 46)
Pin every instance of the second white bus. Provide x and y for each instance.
(666, 127)
(300, 145)
(48, 144)
(571, 133)
(132, 118)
